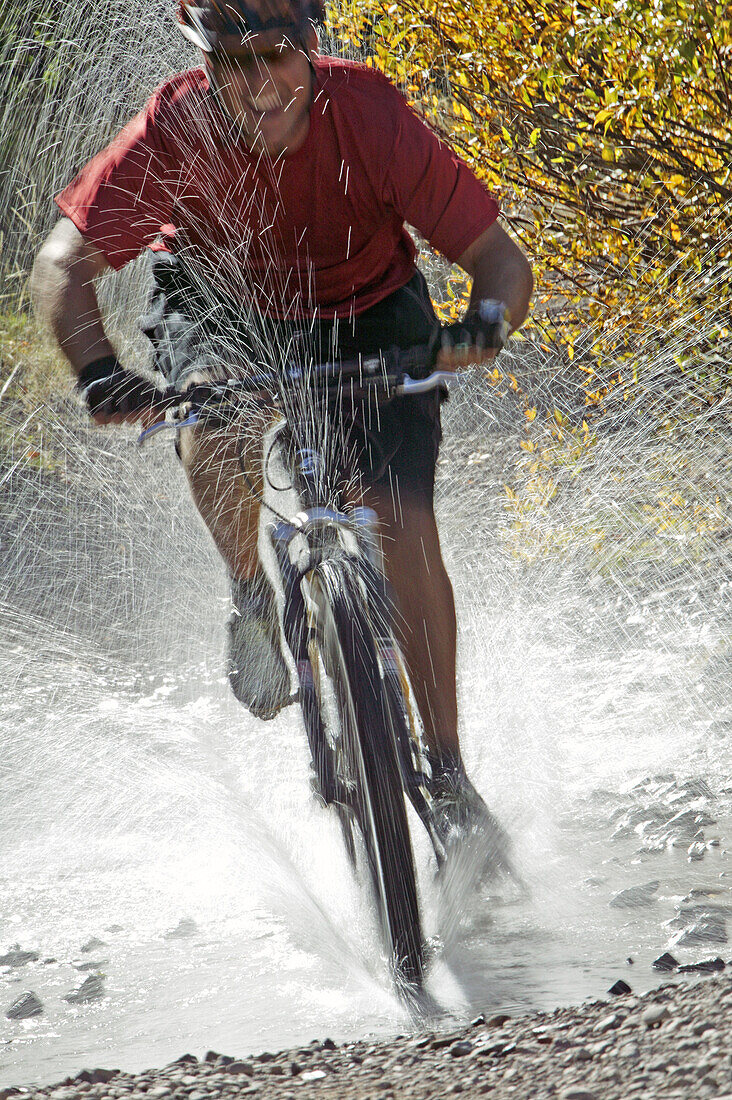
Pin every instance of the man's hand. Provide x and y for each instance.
(115, 395)
(501, 274)
(477, 338)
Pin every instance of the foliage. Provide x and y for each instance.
(605, 128)
(33, 377)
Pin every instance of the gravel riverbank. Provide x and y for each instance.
(672, 1042)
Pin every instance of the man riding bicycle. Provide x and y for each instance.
(272, 186)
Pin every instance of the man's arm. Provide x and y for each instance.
(500, 271)
(63, 291)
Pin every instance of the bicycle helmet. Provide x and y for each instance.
(204, 22)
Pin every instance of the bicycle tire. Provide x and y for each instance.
(369, 754)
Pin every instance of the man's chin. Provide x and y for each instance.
(271, 131)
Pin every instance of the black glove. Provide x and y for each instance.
(485, 327)
(110, 389)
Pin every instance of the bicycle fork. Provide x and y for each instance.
(412, 756)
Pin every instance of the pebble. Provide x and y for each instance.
(460, 1049)
(607, 1023)
(245, 1068)
(655, 1015)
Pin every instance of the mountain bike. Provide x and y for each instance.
(362, 725)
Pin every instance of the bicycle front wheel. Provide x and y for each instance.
(367, 756)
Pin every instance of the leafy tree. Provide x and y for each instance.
(605, 128)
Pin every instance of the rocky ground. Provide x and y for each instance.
(672, 1042)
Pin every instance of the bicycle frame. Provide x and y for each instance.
(317, 531)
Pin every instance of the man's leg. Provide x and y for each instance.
(224, 499)
(229, 507)
(426, 620)
(427, 631)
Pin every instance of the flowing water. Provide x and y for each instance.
(146, 817)
(137, 795)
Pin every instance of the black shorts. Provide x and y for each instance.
(397, 445)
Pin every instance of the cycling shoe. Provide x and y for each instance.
(256, 667)
(462, 820)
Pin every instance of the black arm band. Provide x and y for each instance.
(99, 368)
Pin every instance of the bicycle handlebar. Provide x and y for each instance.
(389, 372)
(367, 373)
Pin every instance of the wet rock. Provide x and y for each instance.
(689, 820)
(498, 1020)
(635, 897)
(93, 944)
(328, 1044)
(460, 1049)
(186, 926)
(268, 1056)
(619, 989)
(224, 1060)
(211, 1056)
(185, 1060)
(97, 1076)
(704, 966)
(96, 965)
(24, 1007)
(442, 1041)
(655, 1015)
(478, 1021)
(16, 956)
(90, 990)
(698, 925)
(665, 962)
(697, 788)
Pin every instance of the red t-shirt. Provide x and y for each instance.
(321, 229)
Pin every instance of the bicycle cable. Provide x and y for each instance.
(255, 491)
